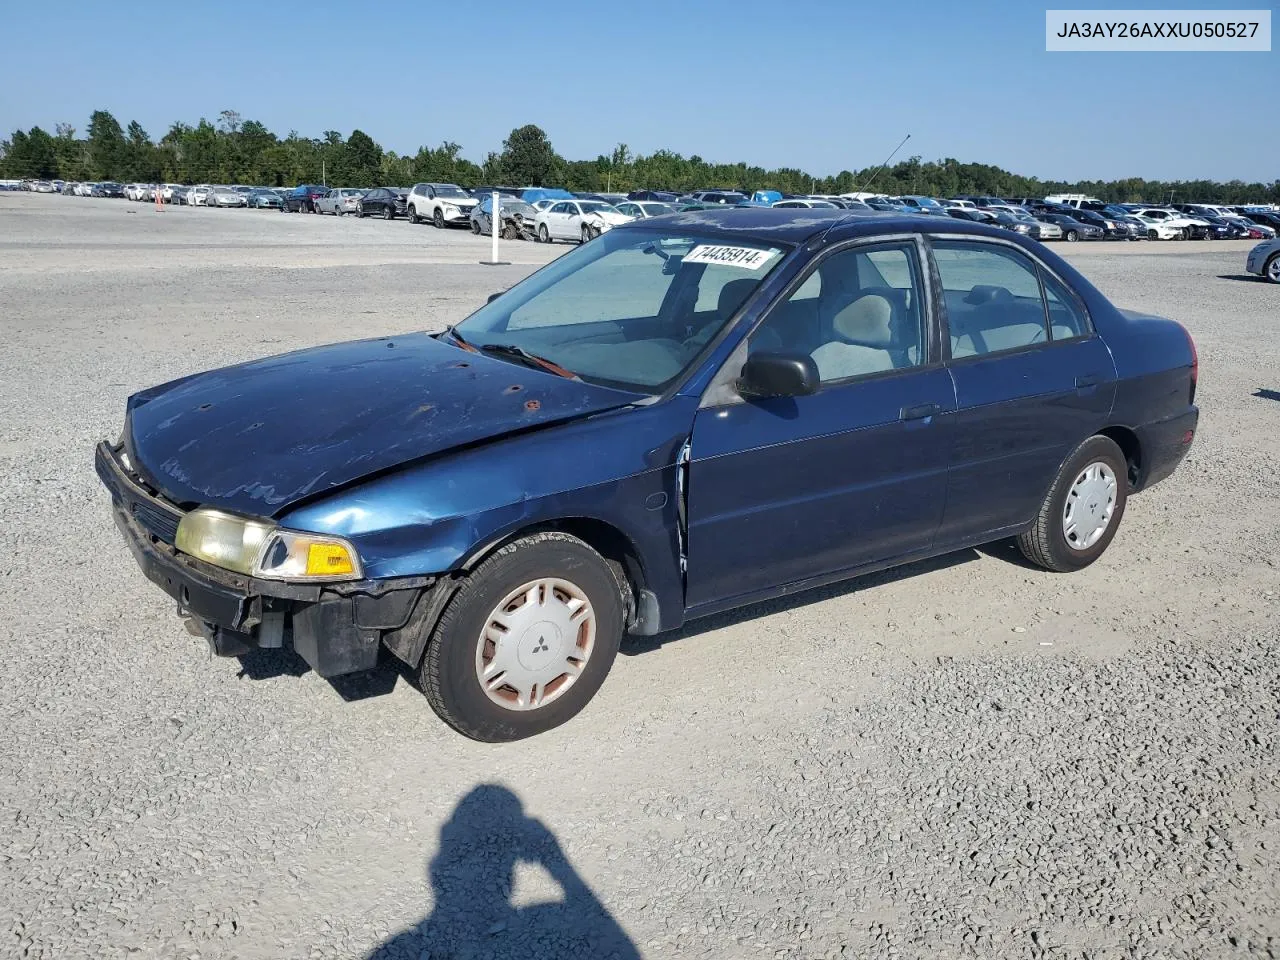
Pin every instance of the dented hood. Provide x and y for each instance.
(260, 437)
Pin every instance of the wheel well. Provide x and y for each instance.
(606, 539)
(1128, 443)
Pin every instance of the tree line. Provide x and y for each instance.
(233, 150)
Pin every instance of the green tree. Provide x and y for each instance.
(108, 154)
(527, 157)
(362, 164)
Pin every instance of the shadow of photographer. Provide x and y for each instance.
(473, 877)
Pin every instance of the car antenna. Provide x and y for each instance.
(870, 181)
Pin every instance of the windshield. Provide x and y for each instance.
(656, 209)
(515, 206)
(449, 190)
(631, 309)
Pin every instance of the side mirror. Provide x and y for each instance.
(778, 375)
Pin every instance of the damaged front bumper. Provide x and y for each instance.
(337, 628)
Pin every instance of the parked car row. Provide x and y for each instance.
(549, 214)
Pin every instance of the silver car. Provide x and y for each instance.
(340, 201)
(1264, 260)
(224, 197)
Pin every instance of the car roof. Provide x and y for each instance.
(796, 225)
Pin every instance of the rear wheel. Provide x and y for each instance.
(526, 641)
(475, 227)
(1082, 510)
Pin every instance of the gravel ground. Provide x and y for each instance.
(967, 758)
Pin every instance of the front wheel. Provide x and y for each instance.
(526, 641)
(1153, 235)
(387, 213)
(413, 214)
(1272, 268)
(475, 227)
(1082, 510)
(1072, 236)
(438, 219)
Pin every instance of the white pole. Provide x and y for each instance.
(495, 225)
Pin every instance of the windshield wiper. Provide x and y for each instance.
(458, 338)
(528, 359)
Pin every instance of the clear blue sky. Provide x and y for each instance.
(817, 84)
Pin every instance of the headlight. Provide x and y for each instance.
(262, 549)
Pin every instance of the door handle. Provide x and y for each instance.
(1088, 380)
(919, 411)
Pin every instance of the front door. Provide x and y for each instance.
(785, 490)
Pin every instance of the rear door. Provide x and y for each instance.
(785, 490)
(1032, 380)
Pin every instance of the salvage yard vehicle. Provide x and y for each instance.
(385, 202)
(264, 199)
(340, 201)
(224, 197)
(942, 384)
(1264, 260)
(444, 204)
(517, 218)
(579, 220)
(302, 198)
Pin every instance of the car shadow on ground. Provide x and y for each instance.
(473, 880)
(634, 646)
(1245, 277)
(1264, 394)
(263, 664)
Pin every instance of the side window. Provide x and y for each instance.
(859, 312)
(1067, 317)
(993, 299)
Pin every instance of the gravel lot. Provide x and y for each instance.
(965, 759)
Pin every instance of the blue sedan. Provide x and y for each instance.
(688, 414)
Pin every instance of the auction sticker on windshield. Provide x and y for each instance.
(749, 258)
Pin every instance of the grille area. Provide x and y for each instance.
(154, 516)
(157, 521)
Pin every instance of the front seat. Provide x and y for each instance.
(867, 323)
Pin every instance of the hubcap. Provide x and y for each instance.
(1090, 505)
(1273, 269)
(535, 644)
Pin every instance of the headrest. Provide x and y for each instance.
(732, 295)
(868, 321)
(986, 293)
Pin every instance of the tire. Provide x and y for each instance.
(461, 645)
(1072, 236)
(438, 219)
(1271, 269)
(388, 213)
(475, 227)
(1153, 235)
(544, 235)
(508, 232)
(360, 211)
(1049, 543)
(586, 233)
(413, 213)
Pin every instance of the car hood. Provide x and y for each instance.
(464, 203)
(261, 437)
